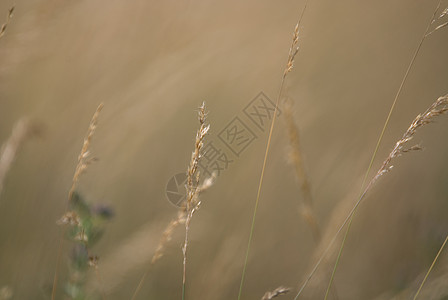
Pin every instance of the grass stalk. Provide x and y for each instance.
(439, 107)
(430, 268)
(293, 50)
(166, 237)
(380, 138)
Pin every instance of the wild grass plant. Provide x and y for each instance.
(437, 108)
(194, 187)
(83, 223)
(427, 32)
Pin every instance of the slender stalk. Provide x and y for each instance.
(327, 249)
(386, 123)
(289, 65)
(338, 258)
(166, 237)
(184, 251)
(140, 284)
(437, 108)
(430, 268)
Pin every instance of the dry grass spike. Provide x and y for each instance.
(436, 109)
(436, 19)
(8, 20)
(293, 50)
(167, 236)
(71, 217)
(386, 123)
(193, 186)
(84, 158)
(192, 203)
(275, 293)
(297, 161)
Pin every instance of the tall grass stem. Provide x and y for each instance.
(292, 53)
(430, 268)
(386, 123)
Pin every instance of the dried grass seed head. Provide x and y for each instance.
(193, 174)
(275, 293)
(84, 156)
(69, 218)
(436, 109)
(293, 50)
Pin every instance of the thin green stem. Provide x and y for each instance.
(386, 123)
(140, 284)
(260, 184)
(338, 258)
(58, 259)
(333, 240)
(431, 267)
(183, 290)
(259, 190)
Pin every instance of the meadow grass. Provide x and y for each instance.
(293, 50)
(194, 187)
(437, 108)
(380, 138)
(84, 222)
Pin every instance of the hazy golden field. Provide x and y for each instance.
(152, 63)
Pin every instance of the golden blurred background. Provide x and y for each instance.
(152, 63)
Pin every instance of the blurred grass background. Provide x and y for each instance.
(152, 63)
